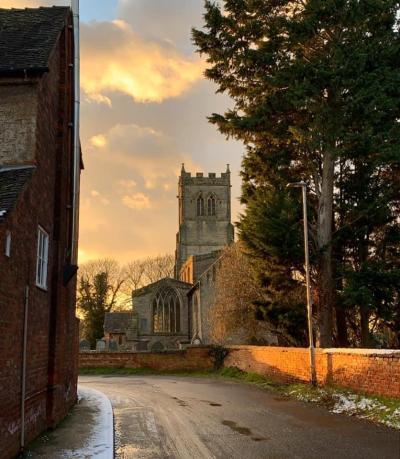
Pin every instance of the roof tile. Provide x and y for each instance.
(12, 183)
(28, 36)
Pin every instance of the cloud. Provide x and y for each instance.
(151, 158)
(138, 201)
(164, 20)
(98, 141)
(126, 185)
(120, 171)
(116, 59)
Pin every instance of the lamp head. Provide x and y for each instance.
(301, 184)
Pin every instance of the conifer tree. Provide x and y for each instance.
(93, 302)
(316, 91)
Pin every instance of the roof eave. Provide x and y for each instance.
(24, 73)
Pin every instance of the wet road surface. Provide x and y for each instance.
(193, 418)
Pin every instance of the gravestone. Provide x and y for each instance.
(142, 345)
(157, 347)
(112, 346)
(84, 345)
(100, 345)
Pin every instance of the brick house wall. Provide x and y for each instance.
(52, 336)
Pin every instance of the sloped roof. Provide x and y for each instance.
(117, 322)
(167, 281)
(12, 183)
(28, 36)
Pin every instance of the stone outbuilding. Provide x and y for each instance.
(117, 328)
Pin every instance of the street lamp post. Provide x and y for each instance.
(303, 186)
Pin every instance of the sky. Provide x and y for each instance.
(144, 111)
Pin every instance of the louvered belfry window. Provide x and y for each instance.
(211, 206)
(200, 206)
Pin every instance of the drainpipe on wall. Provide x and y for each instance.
(23, 382)
(76, 139)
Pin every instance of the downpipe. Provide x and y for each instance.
(76, 135)
(23, 379)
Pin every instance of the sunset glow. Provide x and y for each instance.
(144, 107)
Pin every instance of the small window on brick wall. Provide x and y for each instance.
(7, 248)
(42, 258)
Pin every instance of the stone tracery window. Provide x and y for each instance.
(211, 204)
(200, 206)
(166, 311)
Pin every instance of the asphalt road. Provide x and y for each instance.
(193, 418)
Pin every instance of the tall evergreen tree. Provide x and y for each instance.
(316, 87)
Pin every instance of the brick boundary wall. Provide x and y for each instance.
(192, 358)
(370, 371)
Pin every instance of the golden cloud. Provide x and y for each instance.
(115, 58)
(98, 141)
(138, 201)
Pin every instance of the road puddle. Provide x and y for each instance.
(242, 430)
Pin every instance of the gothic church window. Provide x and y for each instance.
(200, 206)
(211, 206)
(166, 311)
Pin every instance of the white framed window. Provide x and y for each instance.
(42, 258)
(7, 248)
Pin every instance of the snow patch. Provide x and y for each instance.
(101, 441)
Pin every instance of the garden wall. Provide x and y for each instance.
(192, 358)
(366, 370)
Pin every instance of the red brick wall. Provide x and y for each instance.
(195, 358)
(52, 326)
(370, 371)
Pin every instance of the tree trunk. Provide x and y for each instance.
(326, 283)
(365, 335)
(341, 325)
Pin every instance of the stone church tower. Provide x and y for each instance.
(204, 215)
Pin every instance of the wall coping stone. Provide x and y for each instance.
(334, 350)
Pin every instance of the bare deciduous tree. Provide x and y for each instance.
(236, 291)
(156, 268)
(115, 276)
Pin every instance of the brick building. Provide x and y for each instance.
(38, 327)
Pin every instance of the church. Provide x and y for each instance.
(173, 312)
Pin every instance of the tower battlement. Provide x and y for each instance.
(201, 177)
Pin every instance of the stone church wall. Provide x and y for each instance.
(143, 306)
(202, 234)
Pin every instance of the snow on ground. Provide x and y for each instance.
(375, 409)
(101, 442)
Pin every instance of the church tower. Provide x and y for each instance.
(204, 215)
